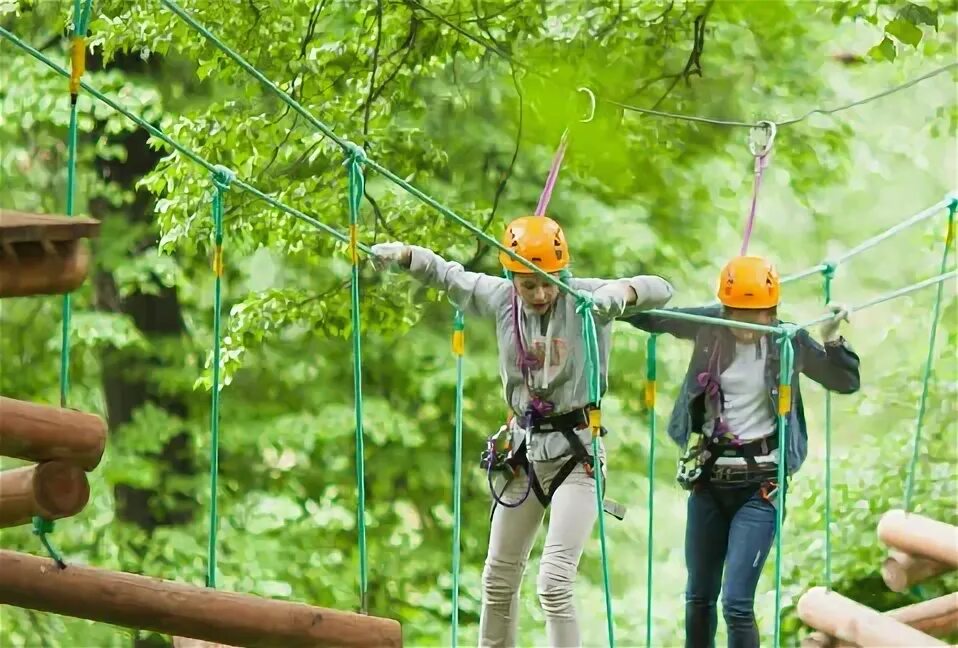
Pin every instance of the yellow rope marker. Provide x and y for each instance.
(950, 233)
(354, 243)
(218, 260)
(459, 343)
(77, 63)
(650, 394)
(595, 421)
(784, 399)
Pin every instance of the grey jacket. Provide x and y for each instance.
(556, 338)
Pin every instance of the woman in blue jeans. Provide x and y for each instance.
(725, 418)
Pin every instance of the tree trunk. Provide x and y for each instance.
(129, 376)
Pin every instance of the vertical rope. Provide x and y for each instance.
(761, 157)
(357, 185)
(650, 404)
(828, 274)
(459, 350)
(550, 184)
(594, 377)
(222, 177)
(929, 360)
(786, 362)
(41, 527)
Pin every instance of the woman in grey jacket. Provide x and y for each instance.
(542, 363)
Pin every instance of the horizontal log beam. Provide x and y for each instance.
(918, 535)
(851, 622)
(936, 617)
(184, 610)
(38, 433)
(901, 571)
(24, 227)
(51, 490)
(33, 269)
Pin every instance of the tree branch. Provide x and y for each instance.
(694, 63)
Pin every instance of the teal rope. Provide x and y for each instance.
(458, 348)
(828, 274)
(650, 366)
(929, 360)
(786, 363)
(222, 178)
(584, 305)
(42, 528)
(357, 184)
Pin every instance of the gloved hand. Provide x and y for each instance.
(613, 296)
(829, 328)
(386, 255)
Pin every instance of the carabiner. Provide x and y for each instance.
(770, 130)
(591, 96)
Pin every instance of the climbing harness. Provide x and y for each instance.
(760, 153)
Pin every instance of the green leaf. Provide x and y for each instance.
(885, 50)
(904, 31)
(918, 15)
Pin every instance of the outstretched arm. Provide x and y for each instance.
(613, 297)
(833, 365)
(680, 328)
(473, 292)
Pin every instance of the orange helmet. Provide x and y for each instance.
(749, 282)
(539, 240)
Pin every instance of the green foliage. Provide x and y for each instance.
(637, 194)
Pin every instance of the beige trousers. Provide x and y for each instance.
(572, 516)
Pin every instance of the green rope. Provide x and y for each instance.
(222, 177)
(786, 363)
(459, 349)
(42, 528)
(929, 360)
(828, 274)
(584, 305)
(650, 403)
(357, 184)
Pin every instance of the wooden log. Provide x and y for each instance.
(184, 642)
(52, 490)
(918, 535)
(936, 617)
(23, 227)
(45, 433)
(852, 622)
(33, 269)
(900, 570)
(183, 610)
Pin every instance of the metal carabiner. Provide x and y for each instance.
(592, 102)
(770, 130)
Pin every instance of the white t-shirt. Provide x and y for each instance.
(747, 409)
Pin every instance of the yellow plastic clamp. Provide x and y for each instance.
(595, 421)
(77, 63)
(784, 399)
(650, 394)
(354, 244)
(950, 234)
(218, 260)
(459, 342)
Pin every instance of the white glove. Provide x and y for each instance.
(829, 328)
(386, 255)
(613, 296)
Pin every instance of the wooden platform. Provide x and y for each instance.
(21, 227)
(42, 254)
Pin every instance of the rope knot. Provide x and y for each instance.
(583, 302)
(356, 154)
(42, 526)
(829, 268)
(787, 331)
(223, 177)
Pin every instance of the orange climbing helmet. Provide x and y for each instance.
(749, 282)
(539, 240)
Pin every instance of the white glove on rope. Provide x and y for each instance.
(829, 328)
(612, 297)
(388, 255)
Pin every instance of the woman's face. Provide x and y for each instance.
(765, 316)
(537, 293)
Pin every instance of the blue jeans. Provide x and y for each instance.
(728, 528)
